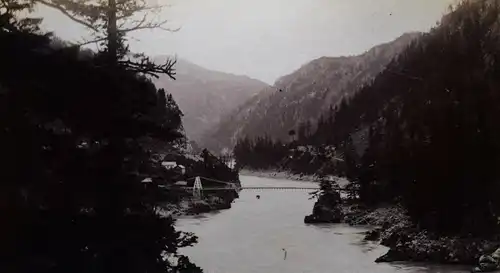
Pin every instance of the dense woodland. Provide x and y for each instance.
(425, 131)
(80, 131)
(261, 153)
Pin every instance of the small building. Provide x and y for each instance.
(181, 183)
(172, 165)
(147, 180)
(169, 164)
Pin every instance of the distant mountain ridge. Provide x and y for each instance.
(302, 96)
(204, 95)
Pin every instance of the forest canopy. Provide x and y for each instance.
(424, 132)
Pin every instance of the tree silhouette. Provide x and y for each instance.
(11, 19)
(110, 21)
(73, 161)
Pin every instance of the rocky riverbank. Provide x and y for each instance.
(193, 207)
(393, 228)
(408, 243)
(209, 204)
(342, 182)
(279, 175)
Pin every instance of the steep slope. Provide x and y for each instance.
(204, 96)
(433, 132)
(302, 96)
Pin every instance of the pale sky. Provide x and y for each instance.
(266, 39)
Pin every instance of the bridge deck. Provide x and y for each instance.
(234, 186)
(262, 188)
(259, 188)
(252, 188)
(279, 188)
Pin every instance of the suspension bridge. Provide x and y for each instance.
(224, 185)
(197, 189)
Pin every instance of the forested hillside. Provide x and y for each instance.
(425, 132)
(433, 134)
(205, 96)
(296, 101)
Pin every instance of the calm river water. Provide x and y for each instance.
(250, 237)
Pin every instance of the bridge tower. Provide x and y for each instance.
(197, 188)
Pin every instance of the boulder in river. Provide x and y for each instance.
(324, 214)
(327, 209)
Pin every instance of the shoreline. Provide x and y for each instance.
(188, 208)
(342, 182)
(392, 228)
(279, 175)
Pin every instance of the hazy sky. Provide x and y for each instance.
(266, 39)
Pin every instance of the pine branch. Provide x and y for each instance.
(92, 41)
(141, 26)
(142, 21)
(147, 67)
(151, 8)
(149, 26)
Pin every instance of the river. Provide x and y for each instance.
(249, 238)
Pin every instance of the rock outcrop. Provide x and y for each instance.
(406, 242)
(326, 210)
(489, 263)
(419, 246)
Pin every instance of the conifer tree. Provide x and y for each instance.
(73, 162)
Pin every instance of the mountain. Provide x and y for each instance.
(431, 127)
(204, 95)
(301, 97)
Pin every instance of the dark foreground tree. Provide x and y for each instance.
(72, 163)
(109, 22)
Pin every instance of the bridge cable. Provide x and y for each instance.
(211, 179)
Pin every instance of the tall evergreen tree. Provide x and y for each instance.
(110, 21)
(73, 164)
(12, 19)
